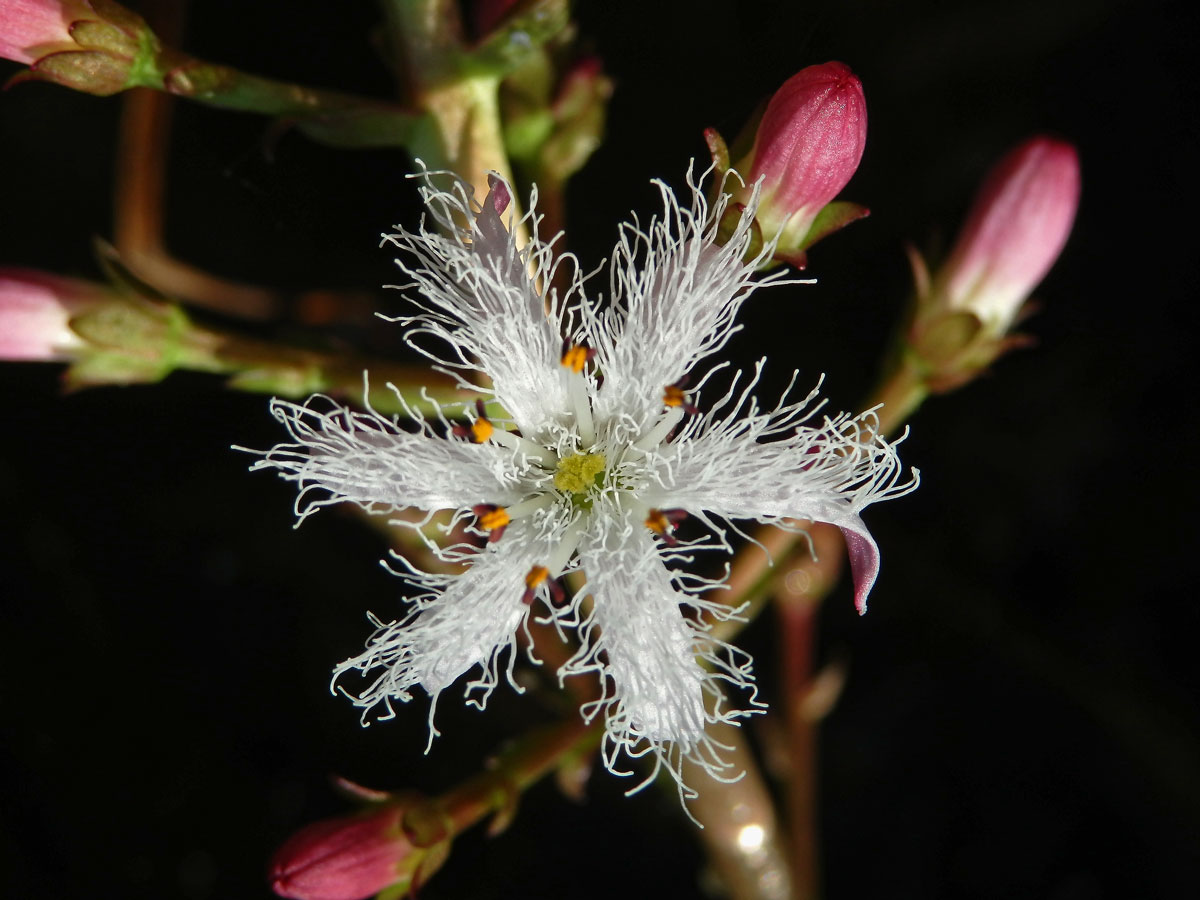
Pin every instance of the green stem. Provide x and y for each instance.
(130, 339)
(496, 789)
(901, 393)
(331, 117)
(463, 106)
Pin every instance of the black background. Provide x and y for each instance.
(1020, 714)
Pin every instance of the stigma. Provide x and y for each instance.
(577, 474)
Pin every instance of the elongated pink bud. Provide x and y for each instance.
(35, 309)
(31, 28)
(808, 146)
(347, 858)
(1013, 234)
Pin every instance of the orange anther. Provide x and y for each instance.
(673, 395)
(663, 521)
(481, 430)
(536, 576)
(494, 518)
(657, 521)
(575, 357)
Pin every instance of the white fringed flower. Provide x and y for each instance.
(600, 453)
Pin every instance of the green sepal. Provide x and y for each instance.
(729, 224)
(946, 338)
(718, 151)
(88, 71)
(116, 14)
(111, 368)
(832, 217)
(92, 35)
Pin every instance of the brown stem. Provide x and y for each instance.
(138, 216)
(741, 832)
(140, 187)
(798, 597)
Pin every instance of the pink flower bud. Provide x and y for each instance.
(35, 309)
(31, 28)
(1014, 233)
(347, 858)
(808, 146)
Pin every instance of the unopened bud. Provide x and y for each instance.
(95, 46)
(807, 147)
(1013, 234)
(30, 29)
(347, 858)
(35, 314)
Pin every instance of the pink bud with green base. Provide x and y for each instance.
(35, 312)
(29, 29)
(808, 146)
(346, 858)
(95, 46)
(1014, 233)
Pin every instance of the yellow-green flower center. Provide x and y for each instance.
(578, 473)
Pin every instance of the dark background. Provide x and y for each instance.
(1020, 714)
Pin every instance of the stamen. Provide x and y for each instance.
(492, 519)
(663, 521)
(481, 430)
(478, 431)
(533, 580)
(574, 358)
(531, 505)
(655, 435)
(674, 396)
(567, 543)
(523, 445)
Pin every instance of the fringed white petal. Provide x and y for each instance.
(675, 295)
(660, 671)
(463, 621)
(676, 291)
(740, 462)
(480, 300)
(381, 465)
